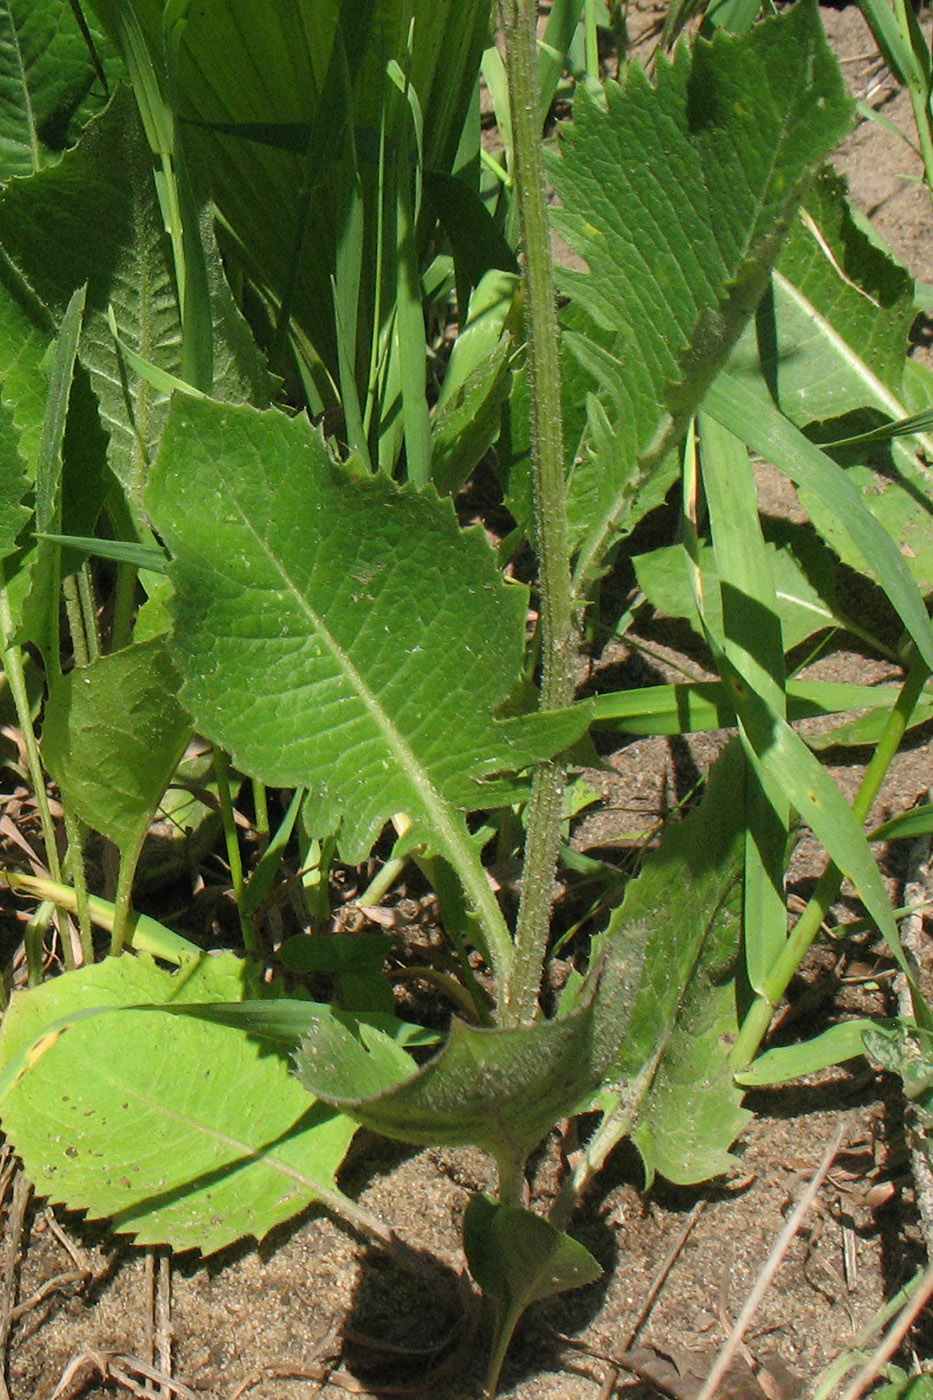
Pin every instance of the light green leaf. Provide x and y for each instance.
(748, 630)
(39, 617)
(48, 82)
(112, 738)
(466, 423)
(663, 576)
(364, 640)
(180, 1131)
(787, 1062)
(518, 1258)
(691, 707)
(679, 238)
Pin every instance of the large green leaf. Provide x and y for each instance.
(364, 642)
(181, 1131)
(48, 82)
(112, 738)
(677, 196)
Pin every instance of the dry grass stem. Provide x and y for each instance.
(890, 1344)
(771, 1266)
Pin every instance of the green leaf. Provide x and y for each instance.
(678, 236)
(180, 1131)
(518, 1258)
(663, 576)
(14, 484)
(112, 738)
(829, 348)
(787, 1062)
(905, 1387)
(39, 618)
(318, 90)
(671, 1084)
(501, 1090)
(354, 960)
(765, 429)
(282, 1022)
(364, 640)
(48, 82)
(95, 218)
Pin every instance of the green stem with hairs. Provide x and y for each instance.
(519, 998)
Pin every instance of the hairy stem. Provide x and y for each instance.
(558, 632)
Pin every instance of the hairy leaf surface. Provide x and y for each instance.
(677, 196)
(336, 631)
(672, 1084)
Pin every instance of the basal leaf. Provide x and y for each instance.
(181, 1131)
(678, 233)
(500, 1089)
(497, 1089)
(671, 1083)
(364, 641)
(112, 738)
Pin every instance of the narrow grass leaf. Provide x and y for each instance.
(39, 618)
(785, 1063)
(751, 636)
(764, 428)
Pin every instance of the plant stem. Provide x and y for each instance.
(558, 632)
(756, 1023)
(11, 657)
(232, 841)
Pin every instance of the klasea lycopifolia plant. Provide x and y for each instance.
(254, 236)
